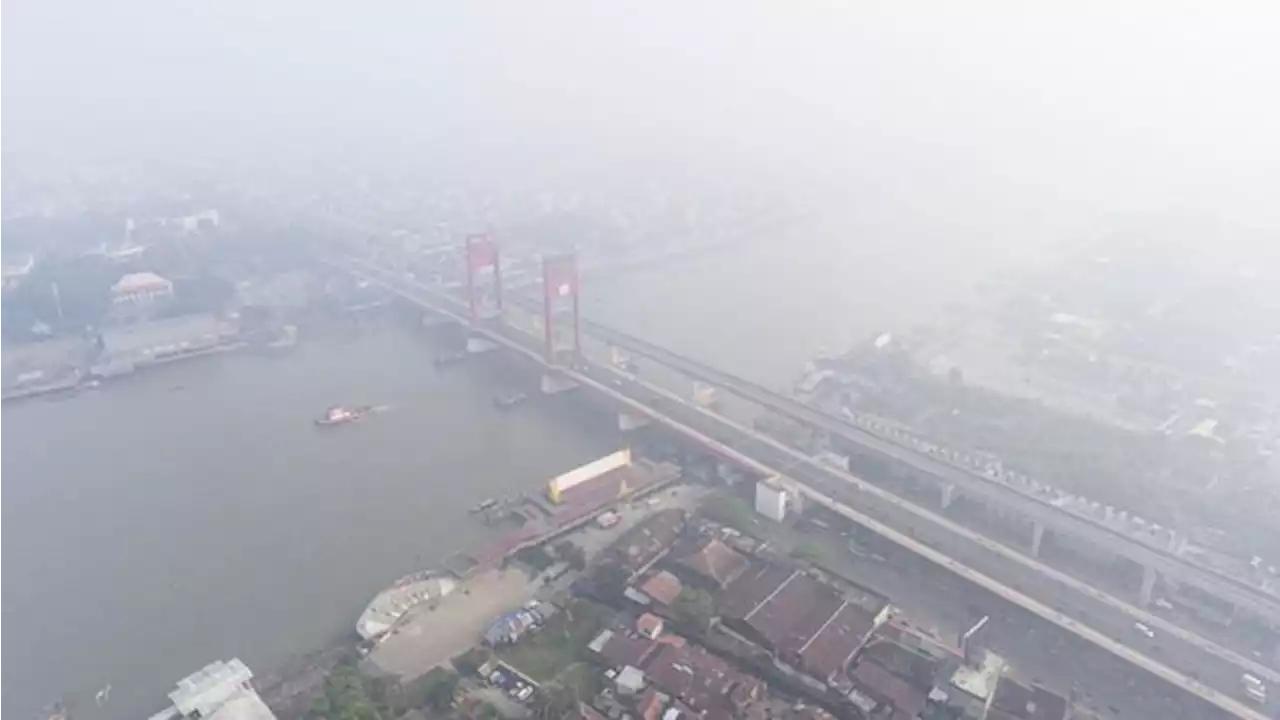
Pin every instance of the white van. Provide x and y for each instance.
(1254, 688)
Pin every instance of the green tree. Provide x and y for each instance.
(469, 662)
(807, 552)
(572, 554)
(731, 511)
(345, 697)
(612, 577)
(555, 702)
(695, 608)
(440, 693)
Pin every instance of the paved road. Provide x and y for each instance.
(1092, 608)
(1235, 589)
(1101, 620)
(1036, 651)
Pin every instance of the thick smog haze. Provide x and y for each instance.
(859, 336)
(1123, 105)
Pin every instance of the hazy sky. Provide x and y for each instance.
(1165, 101)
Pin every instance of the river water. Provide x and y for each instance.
(194, 513)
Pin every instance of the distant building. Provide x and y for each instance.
(17, 268)
(140, 289)
(192, 223)
(219, 691)
(126, 252)
(197, 221)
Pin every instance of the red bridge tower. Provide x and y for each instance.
(484, 277)
(560, 289)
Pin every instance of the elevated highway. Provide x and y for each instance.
(1186, 661)
(1235, 590)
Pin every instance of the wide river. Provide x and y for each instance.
(195, 513)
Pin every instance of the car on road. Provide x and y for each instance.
(1254, 688)
(1145, 630)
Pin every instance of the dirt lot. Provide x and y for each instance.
(431, 637)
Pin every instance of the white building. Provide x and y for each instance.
(14, 270)
(220, 691)
(771, 500)
(140, 289)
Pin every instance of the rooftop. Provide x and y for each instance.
(247, 705)
(210, 686)
(141, 281)
(911, 665)
(662, 587)
(612, 484)
(1014, 701)
(830, 650)
(18, 265)
(647, 541)
(649, 625)
(752, 588)
(694, 675)
(783, 608)
(813, 611)
(586, 712)
(623, 648)
(812, 624)
(886, 688)
(980, 680)
(218, 690)
(717, 562)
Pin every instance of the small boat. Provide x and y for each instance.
(509, 400)
(338, 415)
(486, 504)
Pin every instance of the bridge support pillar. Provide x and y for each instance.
(477, 345)
(1037, 537)
(948, 495)
(554, 383)
(631, 421)
(1149, 576)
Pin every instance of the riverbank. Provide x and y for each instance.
(82, 380)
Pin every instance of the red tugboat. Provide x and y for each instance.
(338, 415)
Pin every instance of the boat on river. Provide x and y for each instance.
(339, 415)
(509, 400)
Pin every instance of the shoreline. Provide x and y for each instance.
(82, 380)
